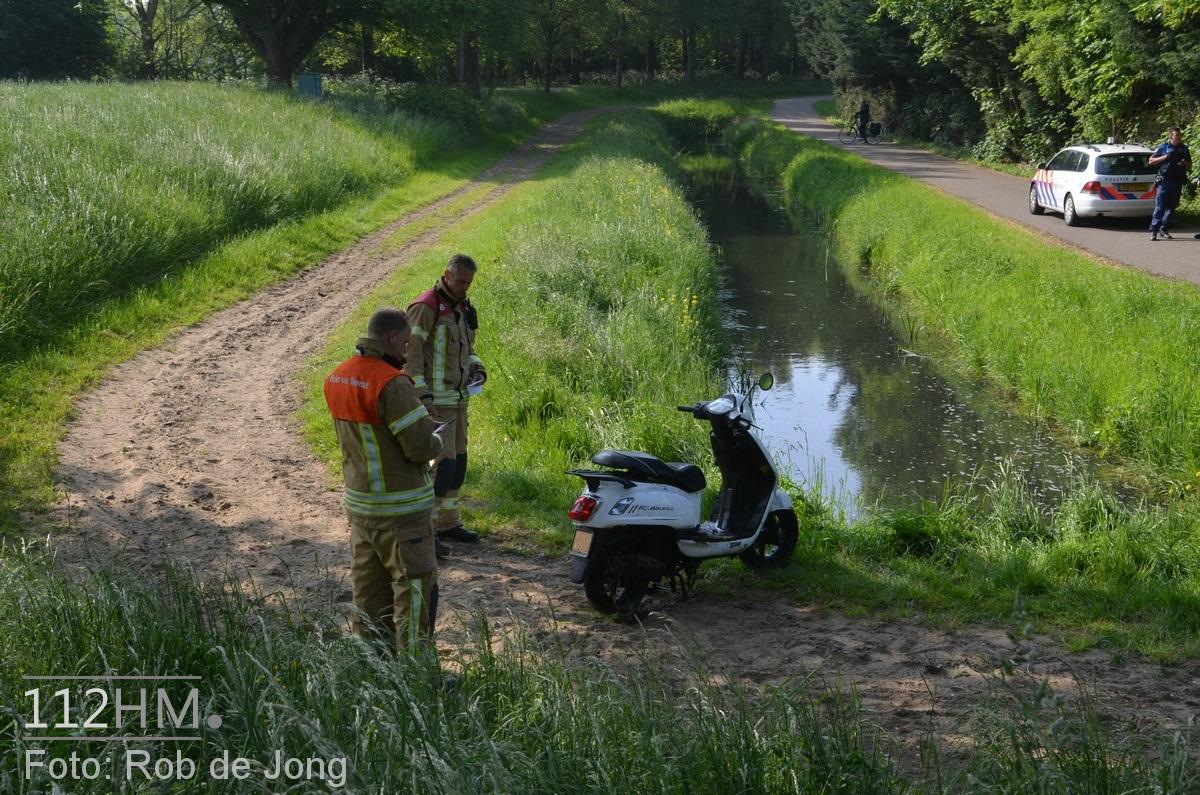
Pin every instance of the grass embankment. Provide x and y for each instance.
(1107, 353)
(596, 294)
(582, 292)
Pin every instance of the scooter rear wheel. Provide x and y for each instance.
(775, 543)
(610, 592)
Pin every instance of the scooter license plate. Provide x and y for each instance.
(582, 543)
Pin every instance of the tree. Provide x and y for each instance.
(284, 32)
(552, 22)
(53, 39)
(161, 31)
(619, 19)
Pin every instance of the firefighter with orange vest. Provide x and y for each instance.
(446, 372)
(387, 439)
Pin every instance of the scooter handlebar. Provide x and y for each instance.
(688, 409)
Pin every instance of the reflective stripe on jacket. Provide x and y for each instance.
(385, 433)
(442, 348)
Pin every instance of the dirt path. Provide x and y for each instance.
(188, 453)
(1123, 241)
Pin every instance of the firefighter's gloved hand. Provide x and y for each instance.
(476, 373)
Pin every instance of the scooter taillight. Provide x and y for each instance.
(583, 509)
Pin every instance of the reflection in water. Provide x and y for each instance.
(851, 411)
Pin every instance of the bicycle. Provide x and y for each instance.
(848, 133)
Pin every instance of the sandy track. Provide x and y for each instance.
(189, 453)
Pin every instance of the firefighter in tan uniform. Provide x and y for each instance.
(387, 439)
(445, 370)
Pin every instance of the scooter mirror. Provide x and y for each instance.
(766, 381)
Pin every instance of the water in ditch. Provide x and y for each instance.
(854, 412)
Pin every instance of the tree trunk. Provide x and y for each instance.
(282, 34)
(689, 52)
(795, 55)
(279, 66)
(367, 43)
(768, 30)
(743, 43)
(576, 77)
(546, 67)
(651, 58)
(144, 13)
(618, 70)
(468, 63)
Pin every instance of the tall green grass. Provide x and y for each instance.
(596, 293)
(525, 718)
(108, 187)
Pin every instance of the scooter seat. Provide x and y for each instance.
(643, 466)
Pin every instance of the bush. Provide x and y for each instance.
(503, 113)
(432, 100)
(696, 123)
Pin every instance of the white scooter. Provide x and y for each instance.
(637, 523)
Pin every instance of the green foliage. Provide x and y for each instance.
(696, 123)
(444, 103)
(54, 39)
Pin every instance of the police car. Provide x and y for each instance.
(1093, 180)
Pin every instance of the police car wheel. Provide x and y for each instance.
(1034, 207)
(1069, 215)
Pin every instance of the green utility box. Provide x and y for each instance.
(309, 85)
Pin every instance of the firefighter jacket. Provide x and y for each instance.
(442, 348)
(385, 433)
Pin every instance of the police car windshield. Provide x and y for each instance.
(1123, 164)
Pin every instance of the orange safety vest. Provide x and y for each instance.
(381, 480)
(352, 390)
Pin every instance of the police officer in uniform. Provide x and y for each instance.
(387, 439)
(1173, 159)
(446, 371)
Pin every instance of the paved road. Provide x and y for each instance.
(1124, 241)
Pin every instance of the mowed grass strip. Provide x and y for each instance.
(596, 293)
(1094, 347)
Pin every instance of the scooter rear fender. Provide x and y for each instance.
(651, 504)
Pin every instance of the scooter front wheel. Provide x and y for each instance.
(775, 543)
(611, 592)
